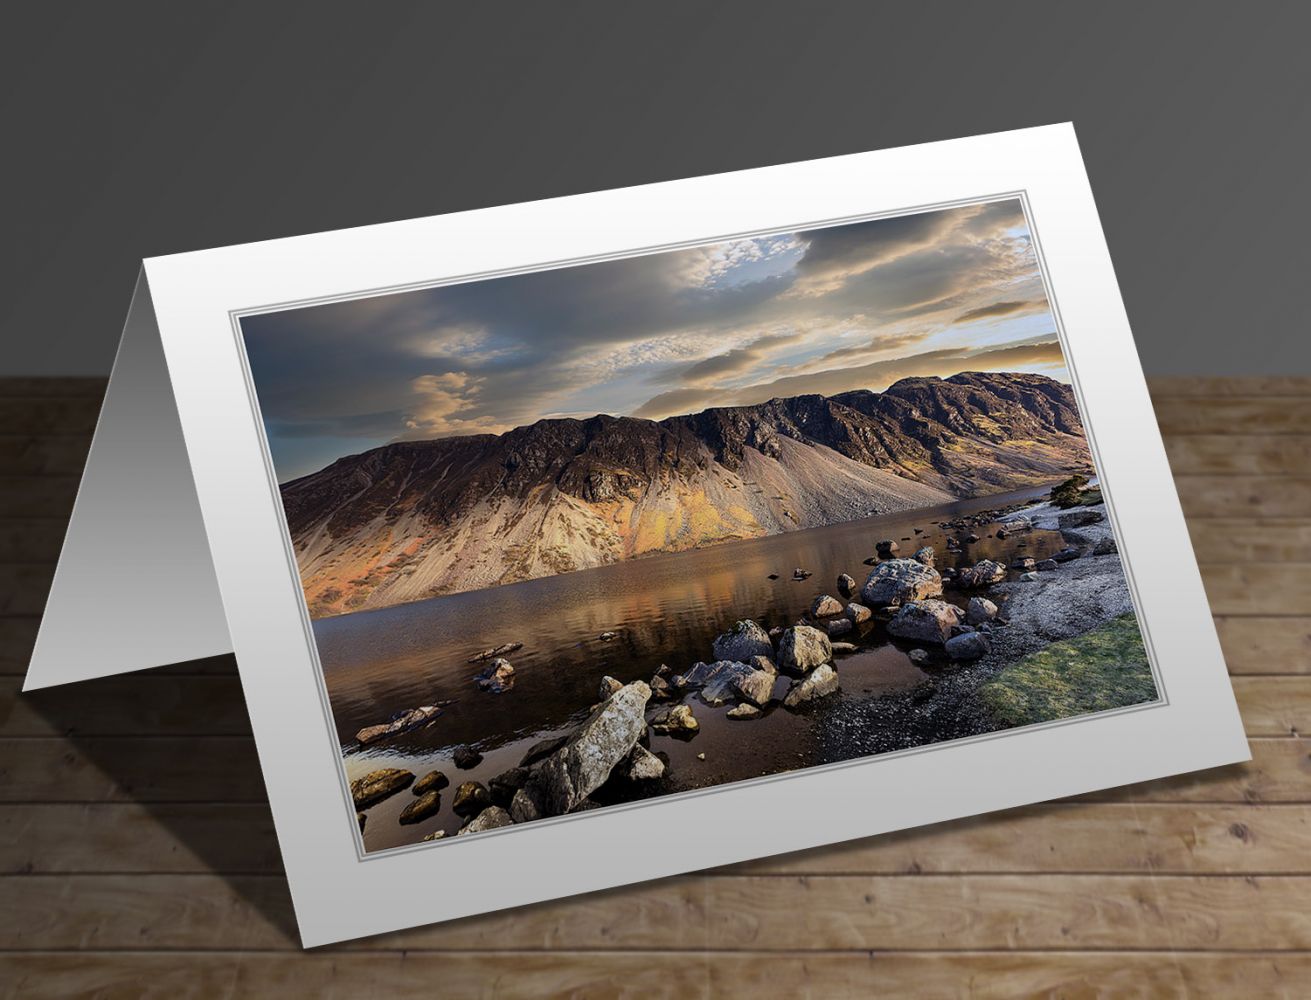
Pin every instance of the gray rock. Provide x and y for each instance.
(925, 621)
(378, 785)
(825, 607)
(522, 807)
(717, 681)
(925, 555)
(1023, 563)
(838, 626)
(675, 721)
(498, 677)
(919, 657)
(756, 687)
(981, 574)
(491, 818)
(743, 713)
(504, 785)
(431, 782)
(608, 687)
(764, 663)
(421, 808)
(900, 581)
(980, 610)
(821, 681)
(844, 647)
(745, 640)
(967, 646)
(470, 799)
(582, 765)
(803, 648)
(1047, 565)
(846, 585)
(542, 748)
(465, 757)
(1105, 547)
(1080, 518)
(1029, 577)
(642, 765)
(1067, 554)
(858, 613)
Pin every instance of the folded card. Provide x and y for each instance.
(575, 543)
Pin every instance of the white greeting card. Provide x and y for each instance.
(598, 539)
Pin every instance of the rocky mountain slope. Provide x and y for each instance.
(417, 519)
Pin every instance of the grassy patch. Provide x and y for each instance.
(1105, 668)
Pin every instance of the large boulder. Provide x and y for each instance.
(803, 648)
(980, 610)
(925, 621)
(825, 607)
(982, 574)
(718, 681)
(967, 646)
(745, 640)
(756, 687)
(491, 818)
(378, 785)
(572, 773)
(900, 581)
(821, 681)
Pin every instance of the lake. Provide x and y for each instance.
(664, 609)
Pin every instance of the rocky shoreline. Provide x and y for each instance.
(960, 626)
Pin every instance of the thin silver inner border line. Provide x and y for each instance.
(235, 316)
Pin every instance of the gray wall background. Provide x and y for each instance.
(137, 129)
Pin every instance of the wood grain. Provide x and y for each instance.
(137, 854)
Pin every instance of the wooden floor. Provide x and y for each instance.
(138, 854)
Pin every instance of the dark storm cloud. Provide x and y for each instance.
(998, 309)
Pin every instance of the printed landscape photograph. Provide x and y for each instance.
(609, 532)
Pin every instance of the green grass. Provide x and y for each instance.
(1105, 668)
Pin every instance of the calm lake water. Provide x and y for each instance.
(664, 609)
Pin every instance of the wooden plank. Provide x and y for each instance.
(1239, 454)
(675, 975)
(1165, 386)
(1274, 706)
(38, 496)
(49, 415)
(1261, 645)
(1245, 496)
(724, 914)
(1049, 838)
(150, 703)
(24, 587)
(1242, 540)
(1113, 838)
(149, 769)
(28, 455)
(55, 385)
(1265, 415)
(31, 540)
(1258, 588)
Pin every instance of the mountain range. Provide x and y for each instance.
(416, 519)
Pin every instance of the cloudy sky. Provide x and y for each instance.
(825, 310)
